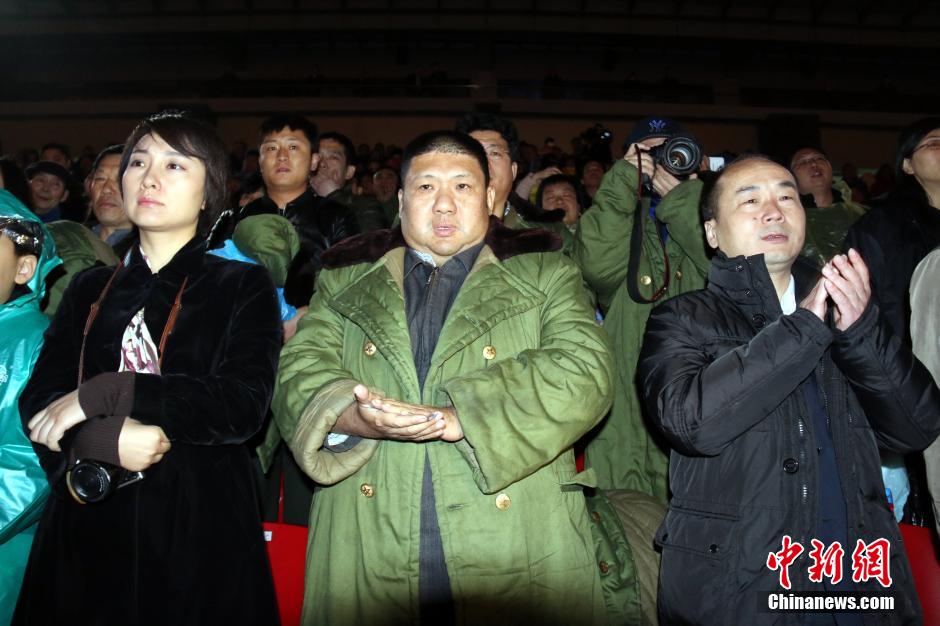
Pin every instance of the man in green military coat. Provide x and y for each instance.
(671, 260)
(434, 390)
(830, 210)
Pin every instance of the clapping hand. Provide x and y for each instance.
(847, 282)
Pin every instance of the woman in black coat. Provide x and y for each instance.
(893, 237)
(163, 365)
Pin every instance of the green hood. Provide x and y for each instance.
(10, 207)
(271, 240)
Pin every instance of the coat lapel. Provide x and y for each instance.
(375, 302)
(490, 295)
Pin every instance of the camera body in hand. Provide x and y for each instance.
(93, 481)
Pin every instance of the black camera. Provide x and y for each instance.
(93, 481)
(679, 155)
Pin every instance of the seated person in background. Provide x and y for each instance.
(57, 153)
(592, 173)
(775, 417)
(500, 141)
(73, 208)
(111, 223)
(830, 210)
(50, 184)
(27, 254)
(385, 187)
(560, 193)
(333, 179)
(287, 157)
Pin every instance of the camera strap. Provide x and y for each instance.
(636, 247)
(93, 313)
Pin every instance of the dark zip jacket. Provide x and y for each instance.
(723, 373)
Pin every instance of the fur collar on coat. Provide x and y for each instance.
(505, 243)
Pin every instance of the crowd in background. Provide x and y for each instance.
(332, 188)
(584, 157)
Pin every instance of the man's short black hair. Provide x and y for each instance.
(117, 149)
(293, 121)
(55, 145)
(348, 148)
(448, 142)
(487, 121)
(711, 190)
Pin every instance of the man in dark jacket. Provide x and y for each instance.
(287, 157)
(775, 412)
(286, 145)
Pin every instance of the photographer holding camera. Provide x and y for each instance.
(636, 248)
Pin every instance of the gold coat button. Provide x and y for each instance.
(604, 567)
(596, 516)
(645, 280)
(503, 501)
(678, 274)
(369, 349)
(489, 353)
(367, 490)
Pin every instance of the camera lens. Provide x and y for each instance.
(90, 482)
(681, 156)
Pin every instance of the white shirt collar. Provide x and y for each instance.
(788, 299)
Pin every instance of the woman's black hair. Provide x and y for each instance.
(907, 141)
(195, 140)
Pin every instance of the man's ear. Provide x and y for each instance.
(314, 161)
(491, 199)
(515, 170)
(401, 204)
(64, 197)
(906, 166)
(25, 268)
(350, 172)
(711, 233)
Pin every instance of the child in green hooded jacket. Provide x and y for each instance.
(27, 254)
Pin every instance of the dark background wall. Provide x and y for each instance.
(741, 75)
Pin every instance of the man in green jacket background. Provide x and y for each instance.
(671, 260)
(830, 210)
(434, 390)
